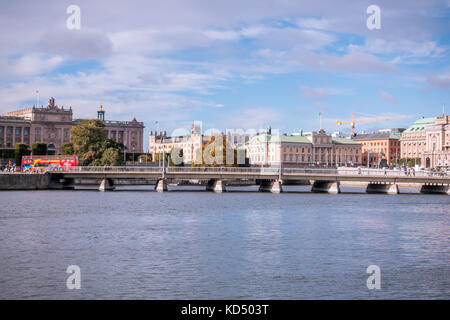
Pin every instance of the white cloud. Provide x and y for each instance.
(319, 105)
(313, 23)
(34, 64)
(132, 46)
(222, 35)
(280, 38)
(313, 93)
(80, 44)
(253, 117)
(441, 81)
(387, 96)
(407, 51)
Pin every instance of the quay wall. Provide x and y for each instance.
(20, 181)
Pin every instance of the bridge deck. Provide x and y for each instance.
(188, 173)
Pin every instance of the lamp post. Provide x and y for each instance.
(163, 161)
(156, 140)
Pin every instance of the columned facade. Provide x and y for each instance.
(52, 125)
(317, 148)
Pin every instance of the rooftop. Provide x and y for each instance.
(294, 139)
(420, 125)
(377, 136)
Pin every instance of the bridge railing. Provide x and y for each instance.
(254, 170)
(223, 169)
(110, 169)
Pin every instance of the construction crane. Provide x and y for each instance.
(353, 121)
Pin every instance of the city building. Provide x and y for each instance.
(130, 133)
(384, 144)
(437, 151)
(414, 139)
(52, 125)
(318, 148)
(189, 145)
(237, 138)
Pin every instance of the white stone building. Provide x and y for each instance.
(318, 148)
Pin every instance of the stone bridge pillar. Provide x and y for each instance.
(107, 185)
(389, 188)
(437, 189)
(270, 186)
(161, 185)
(326, 186)
(215, 185)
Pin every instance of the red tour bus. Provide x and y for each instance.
(38, 163)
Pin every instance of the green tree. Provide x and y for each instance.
(39, 149)
(110, 143)
(88, 135)
(20, 150)
(410, 162)
(111, 157)
(67, 148)
(88, 140)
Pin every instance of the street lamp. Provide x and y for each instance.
(156, 138)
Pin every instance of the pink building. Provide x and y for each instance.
(52, 125)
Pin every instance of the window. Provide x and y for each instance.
(38, 132)
(18, 131)
(26, 131)
(9, 131)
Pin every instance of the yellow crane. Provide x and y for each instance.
(353, 121)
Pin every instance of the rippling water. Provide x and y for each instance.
(235, 245)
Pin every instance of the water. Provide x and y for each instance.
(235, 245)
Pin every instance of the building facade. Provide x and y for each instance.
(414, 139)
(52, 125)
(437, 152)
(380, 145)
(429, 140)
(318, 148)
(190, 145)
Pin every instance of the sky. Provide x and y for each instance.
(230, 64)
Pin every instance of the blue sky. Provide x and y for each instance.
(231, 64)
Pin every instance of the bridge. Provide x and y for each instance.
(269, 179)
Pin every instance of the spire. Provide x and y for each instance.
(101, 113)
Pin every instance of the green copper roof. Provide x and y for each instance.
(420, 125)
(261, 138)
(14, 120)
(277, 139)
(338, 140)
(395, 135)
